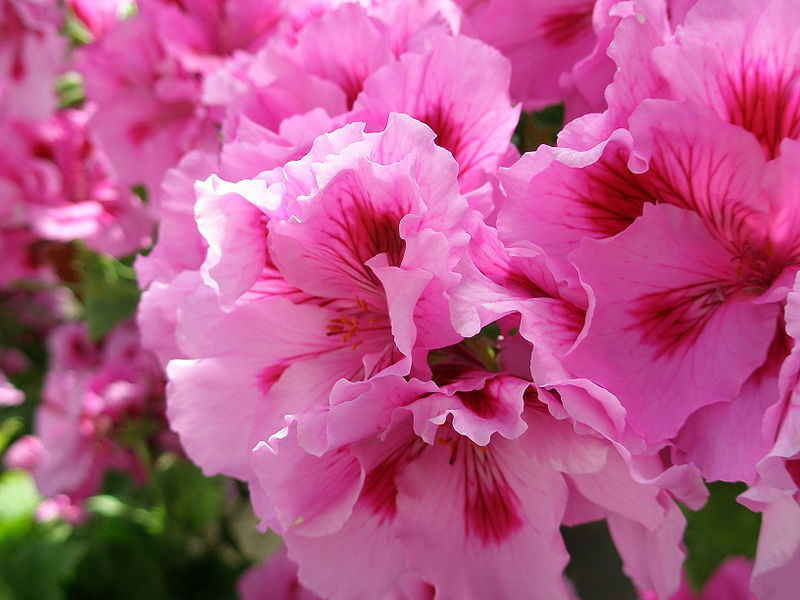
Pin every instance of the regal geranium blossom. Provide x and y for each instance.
(202, 34)
(32, 55)
(700, 272)
(359, 241)
(276, 579)
(469, 109)
(324, 67)
(738, 62)
(415, 473)
(721, 276)
(603, 197)
(776, 492)
(557, 49)
(684, 154)
(741, 60)
(56, 183)
(98, 16)
(170, 272)
(730, 581)
(90, 394)
(410, 467)
(148, 106)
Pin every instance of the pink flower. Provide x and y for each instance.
(325, 63)
(730, 581)
(58, 185)
(32, 55)
(399, 475)
(148, 105)
(26, 453)
(170, 272)
(60, 506)
(680, 283)
(202, 34)
(468, 109)
(347, 298)
(740, 61)
(557, 49)
(9, 395)
(90, 394)
(324, 69)
(98, 16)
(776, 491)
(275, 579)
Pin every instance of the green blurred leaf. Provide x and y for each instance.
(35, 558)
(18, 495)
(108, 290)
(8, 429)
(193, 500)
(110, 506)
(34, 566)
(721, 529)
(121, 562)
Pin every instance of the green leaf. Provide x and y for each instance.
(8, 429)
(721, 529)
(110, 506)
(121, 562)
(193, 500)
(109, 291)
(34, 566)
(18, 495)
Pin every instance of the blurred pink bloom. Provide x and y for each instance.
(9, 395)
(91, 393)
(26, 453)
(325, 68)
(18, 262)
(201, 34)
(32, 55)
(148, 106)
(60, 506)
(57, 184)
(325, 63)
(98, 16)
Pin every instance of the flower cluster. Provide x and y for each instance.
(102, 404)
(423, 352)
